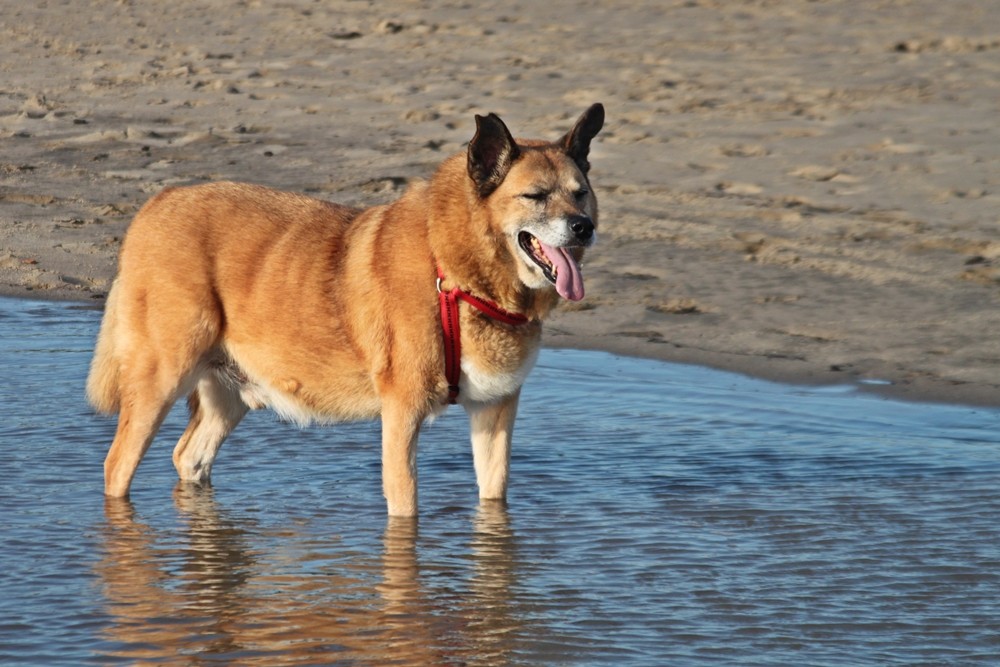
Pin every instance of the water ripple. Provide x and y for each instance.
(659, 514)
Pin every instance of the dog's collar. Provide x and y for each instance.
(448, 300)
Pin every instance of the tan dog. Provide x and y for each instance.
(243, 297)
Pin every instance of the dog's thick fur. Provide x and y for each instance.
(243, 297)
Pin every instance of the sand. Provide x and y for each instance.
(803, 191)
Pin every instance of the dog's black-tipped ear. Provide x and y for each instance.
(492, 151)
(577, 141)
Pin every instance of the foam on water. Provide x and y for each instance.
(679, 516)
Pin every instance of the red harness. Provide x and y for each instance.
(453, 333)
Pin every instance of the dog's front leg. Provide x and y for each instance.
(492, 428)
(400, 428)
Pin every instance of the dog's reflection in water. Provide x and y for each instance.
(221, 589)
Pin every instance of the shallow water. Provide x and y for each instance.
(659, 515)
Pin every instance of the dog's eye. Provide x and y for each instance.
(535, 196)
(581, 193)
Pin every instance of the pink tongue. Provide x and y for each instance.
(569, 282)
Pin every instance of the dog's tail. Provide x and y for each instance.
(102, 383)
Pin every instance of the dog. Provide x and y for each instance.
(243, 297)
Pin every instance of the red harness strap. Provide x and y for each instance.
(453, 333)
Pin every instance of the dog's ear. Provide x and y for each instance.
(577, 141)
(492, 151)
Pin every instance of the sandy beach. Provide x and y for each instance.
(802, 191)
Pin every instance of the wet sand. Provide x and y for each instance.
(796, 190)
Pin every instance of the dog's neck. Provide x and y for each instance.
(451, 327)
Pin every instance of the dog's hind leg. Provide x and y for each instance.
(216, 408)
(139, 419)
(163, 347)
(150, 386)
(492, 427)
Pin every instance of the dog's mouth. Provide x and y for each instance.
(557, 264)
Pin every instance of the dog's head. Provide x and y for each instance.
(540, 198)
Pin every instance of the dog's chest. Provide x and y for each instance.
(484, 384)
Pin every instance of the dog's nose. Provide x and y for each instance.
(582, 226)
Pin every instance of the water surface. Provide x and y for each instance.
(659, 515)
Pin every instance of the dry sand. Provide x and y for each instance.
(799, 190)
